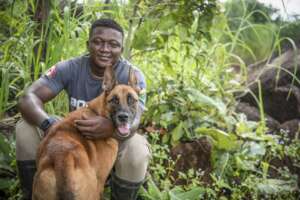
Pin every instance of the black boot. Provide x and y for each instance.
(26, 171)
(122, 189)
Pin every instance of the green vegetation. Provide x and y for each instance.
(186, 49)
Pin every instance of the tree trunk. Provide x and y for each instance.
(128, 41)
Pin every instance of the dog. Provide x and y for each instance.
(71, 167)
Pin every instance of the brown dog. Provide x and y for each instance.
(71, 167)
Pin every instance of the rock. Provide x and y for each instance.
(253, 114)
(192, 155)
(279, 88)
(292, 128)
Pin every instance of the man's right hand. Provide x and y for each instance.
(96, 127)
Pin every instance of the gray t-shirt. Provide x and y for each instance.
(75, 77)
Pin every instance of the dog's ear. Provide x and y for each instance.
(109, 80)
(96, 105)
(133, 80)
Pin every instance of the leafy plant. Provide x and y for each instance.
(9, 185)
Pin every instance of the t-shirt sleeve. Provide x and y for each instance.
(57, 77)
(142, 85)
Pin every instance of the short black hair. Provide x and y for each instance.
(110, 23)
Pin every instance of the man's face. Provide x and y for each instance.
(105, 46)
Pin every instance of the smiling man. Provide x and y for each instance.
(81, 78)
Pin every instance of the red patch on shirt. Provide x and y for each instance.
(51, 72)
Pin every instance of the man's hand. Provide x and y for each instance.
(95, 127)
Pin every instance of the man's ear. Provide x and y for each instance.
(133, 80)
(109, 80)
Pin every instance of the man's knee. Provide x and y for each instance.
(133, 159)
(27, 140)
(137, 151)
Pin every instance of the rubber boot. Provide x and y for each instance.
(26, 171)
(122, 189)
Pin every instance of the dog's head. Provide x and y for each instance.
(121, 102)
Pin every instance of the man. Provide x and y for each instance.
(81, 78)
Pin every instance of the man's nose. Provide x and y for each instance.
(104, 46)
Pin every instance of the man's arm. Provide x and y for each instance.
(31, 104)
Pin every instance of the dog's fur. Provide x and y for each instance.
(71, 167)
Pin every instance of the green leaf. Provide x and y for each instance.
(245, 164)
(256, 149)
(179, 194)
(275, 186)
(222, 140)
(196, 96)
(177, 132)
(166, 138)
(221, 164)
(153, 190)
(4, 146)
(142, 38)
(167, 22)
(167, 117)
(5, 183)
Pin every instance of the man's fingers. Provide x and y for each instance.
(84, 122)
(88, 136)
(91, 135)
(85, 133)
(84, 116)
(84, 128)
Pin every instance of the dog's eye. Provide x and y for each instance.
(114, 100)
(130, 99)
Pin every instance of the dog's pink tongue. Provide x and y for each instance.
(124, 129)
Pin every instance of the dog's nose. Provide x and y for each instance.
(123, 117)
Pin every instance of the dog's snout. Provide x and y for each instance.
(123, 117)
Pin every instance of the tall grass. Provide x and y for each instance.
(62, 36)
(4, 92)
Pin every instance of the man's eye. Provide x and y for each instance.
(98, 42)
(114, 45)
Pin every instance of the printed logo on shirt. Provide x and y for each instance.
(51, 72)
(77, 103)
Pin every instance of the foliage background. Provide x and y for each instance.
(186, 49)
